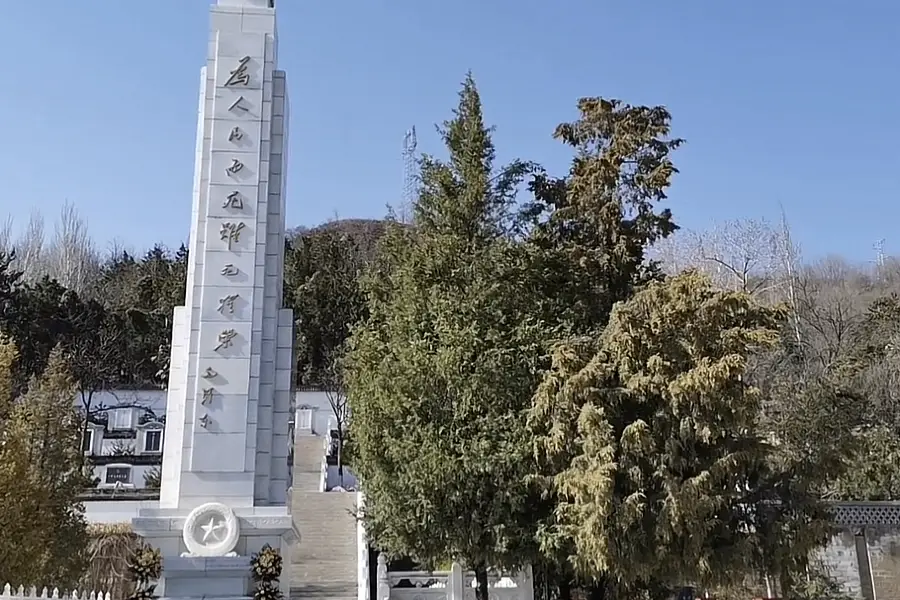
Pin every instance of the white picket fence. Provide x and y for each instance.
(20, 593)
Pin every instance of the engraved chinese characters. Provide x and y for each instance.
(235, 168)
(238, 105)
(233, 200)
(231, 209)
(225, 339)
(226, 304)
(240, 76)
(231, 233)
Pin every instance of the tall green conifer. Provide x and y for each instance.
(45, 535)
(440, 373)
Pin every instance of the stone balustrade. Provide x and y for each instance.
(323, 479)
(454, 584)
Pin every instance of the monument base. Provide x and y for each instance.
(203, 557)
(206, 577)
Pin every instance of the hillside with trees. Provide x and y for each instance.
(542, 366)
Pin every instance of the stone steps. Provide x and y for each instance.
(322, 592)
(309, 451)
(324, 560)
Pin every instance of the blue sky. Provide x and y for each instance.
(780, 102)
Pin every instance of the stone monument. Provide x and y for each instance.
(226, 468)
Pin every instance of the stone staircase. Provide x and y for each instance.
(324, 561)
(308, 454)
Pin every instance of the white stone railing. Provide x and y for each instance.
(362, 550)
(323, 476)
(21, 593)
(454, 584)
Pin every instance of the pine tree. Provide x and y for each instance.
(45, 534)
(439, 374)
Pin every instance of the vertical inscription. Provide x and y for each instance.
(225, 339)
(226, 304)
(238, 105)
(207, 396)
(240, 76)
(235, 168)
(234, 200)
(230, 233)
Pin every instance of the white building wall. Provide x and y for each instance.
(119, 511)
(322, 421)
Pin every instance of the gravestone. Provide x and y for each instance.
(226, 468)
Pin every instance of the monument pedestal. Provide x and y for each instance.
(207, 552)
(211, 577)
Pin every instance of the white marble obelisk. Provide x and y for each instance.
(225, 468)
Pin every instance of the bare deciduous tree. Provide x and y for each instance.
(829, 305)
(333, 386)
(673, 253)
(7, 244)
(70, 257)
(30, 249)
(743, 255)
(789, 255)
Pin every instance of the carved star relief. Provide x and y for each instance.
(212, 530)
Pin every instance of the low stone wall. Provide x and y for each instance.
(865, 554)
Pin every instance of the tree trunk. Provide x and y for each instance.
(481, 578)
(597, 590)
(340, 453)
(86, 402)
(565, 590)
(786, 581)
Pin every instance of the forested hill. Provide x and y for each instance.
(529, 342)
(113, 313)
(113, 309)
(364, 233)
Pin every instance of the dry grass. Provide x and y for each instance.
(110, 548)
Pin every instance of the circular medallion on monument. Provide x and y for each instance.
(211, 529)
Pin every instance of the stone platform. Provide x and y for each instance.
(207, 552)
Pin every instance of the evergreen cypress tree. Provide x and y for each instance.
(45, 534)
(648, 436)
(440, 373)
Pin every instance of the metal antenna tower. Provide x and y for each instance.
(408, 196)
(879, 252)
(879, 255)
